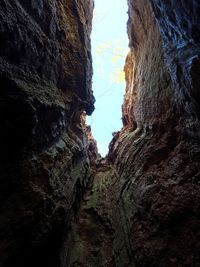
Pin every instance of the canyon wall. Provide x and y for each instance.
(45, 81)
(157, 153)
(59, 206)
(142, 207)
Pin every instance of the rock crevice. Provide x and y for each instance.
(60, 203)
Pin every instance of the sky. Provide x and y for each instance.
(109, 48)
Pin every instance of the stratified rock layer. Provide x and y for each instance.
(45, 81)
(157, 154)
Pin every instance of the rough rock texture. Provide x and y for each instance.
(90, 241)
(142, 204)
(143, 209)
(157, 154)
(45, 84)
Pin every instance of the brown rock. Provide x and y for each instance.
(45, 80)
(157, 153)
(142, 203)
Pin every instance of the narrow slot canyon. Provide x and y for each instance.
(61, 204)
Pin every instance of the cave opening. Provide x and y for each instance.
(109, 49)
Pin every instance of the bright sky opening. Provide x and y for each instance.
(109, 49)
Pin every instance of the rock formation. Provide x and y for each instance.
(45, 79)
(157, 153)
(62, 205)
(147, 208)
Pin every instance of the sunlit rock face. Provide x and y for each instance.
(157, 154)
(45, 81)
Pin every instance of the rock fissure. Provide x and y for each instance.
(61, 204)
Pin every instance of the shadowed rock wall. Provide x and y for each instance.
(45, 84)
